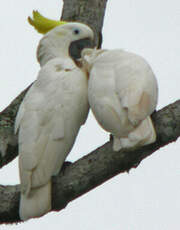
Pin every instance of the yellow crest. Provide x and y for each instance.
(42, 24)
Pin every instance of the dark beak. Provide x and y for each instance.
(76, 47)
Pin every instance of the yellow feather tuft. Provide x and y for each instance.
(42, 24)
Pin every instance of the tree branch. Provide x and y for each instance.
(8, 141)
(96, 167)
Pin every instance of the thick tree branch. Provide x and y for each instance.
(8, 141)
(96, 167)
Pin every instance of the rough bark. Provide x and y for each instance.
(8, 141)
(96, 167)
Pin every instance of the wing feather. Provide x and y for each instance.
(43, 141)
(136, 87)
(19, 117)
(40, 122)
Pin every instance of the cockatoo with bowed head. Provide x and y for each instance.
(122, 93)
(51, 113)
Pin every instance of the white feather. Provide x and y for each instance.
(49, 118)
(122, 94)
(53, 111)
(34, 205)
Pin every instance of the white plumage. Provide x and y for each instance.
(49, 117)
(122, 94)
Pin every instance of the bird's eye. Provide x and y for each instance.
(76, 31)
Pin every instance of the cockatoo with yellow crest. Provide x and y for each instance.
(122, 93)
(51, 113)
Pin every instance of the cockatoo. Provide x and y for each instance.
(51, 114)
(122, 93)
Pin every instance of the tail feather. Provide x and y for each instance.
(37, 203)
(144, 134)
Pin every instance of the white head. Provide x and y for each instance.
(67, 40)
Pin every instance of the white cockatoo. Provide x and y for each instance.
(122, 93)
(51, 114)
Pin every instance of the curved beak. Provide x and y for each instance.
(76, 47)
